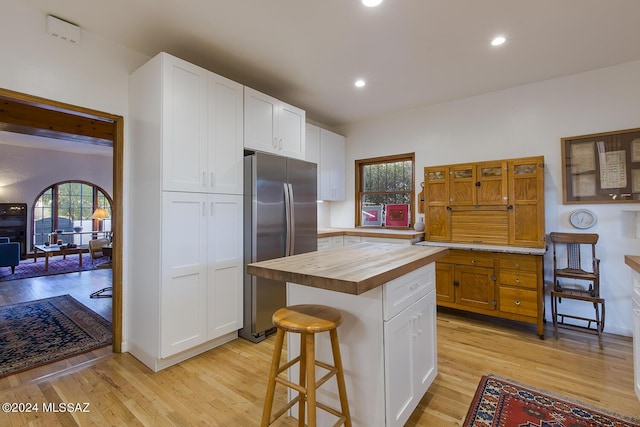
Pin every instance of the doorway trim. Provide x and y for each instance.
(44, 117)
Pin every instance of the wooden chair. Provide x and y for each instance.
(306, 320)
(95, 248)
(576, 276)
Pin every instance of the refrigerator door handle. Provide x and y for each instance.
(287, 214)
(292, 215)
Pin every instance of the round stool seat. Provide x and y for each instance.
(307, 318)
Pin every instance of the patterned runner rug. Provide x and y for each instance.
(57, 265)
(500, 402)
(38, 332)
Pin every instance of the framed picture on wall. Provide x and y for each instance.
(602, 167)
(397, 216)
(372, 216)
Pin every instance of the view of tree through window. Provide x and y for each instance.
(66, 205)
(384, 180)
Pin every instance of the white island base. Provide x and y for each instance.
(387, 343)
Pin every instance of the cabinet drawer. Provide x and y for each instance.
(521, 279)
(400, 293)
(465, 258)
(518, 301)
(521, 262)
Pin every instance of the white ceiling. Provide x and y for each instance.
(411, 52)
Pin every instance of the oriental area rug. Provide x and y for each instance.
(57, 265)
(503, 403)
(38, 332)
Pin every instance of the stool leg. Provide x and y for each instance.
(342, 388)
(311, 378)
(302, 379)
(271, 384)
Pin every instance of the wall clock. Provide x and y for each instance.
(582, 218)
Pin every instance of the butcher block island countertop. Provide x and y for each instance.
(352, 269)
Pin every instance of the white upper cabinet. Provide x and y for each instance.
(332, 166)
(312, 148)
(273, 126)
(225, 135)
(202, 125)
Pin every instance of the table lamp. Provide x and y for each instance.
(100, 214)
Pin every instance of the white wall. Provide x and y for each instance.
(523, 121)
(26, 171)
(93, 74)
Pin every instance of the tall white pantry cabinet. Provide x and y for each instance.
(186, 133)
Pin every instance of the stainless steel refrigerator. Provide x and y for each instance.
(280, 219)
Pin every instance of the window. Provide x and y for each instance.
(382, 181)
(66, 205)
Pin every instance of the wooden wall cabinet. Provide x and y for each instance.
(496, 202)
(505, 285)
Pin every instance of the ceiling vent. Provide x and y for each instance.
(63, 30)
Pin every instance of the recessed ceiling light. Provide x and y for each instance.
(371, 3)
(498, 41)
(360, 83)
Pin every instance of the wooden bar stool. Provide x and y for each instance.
(306, 320)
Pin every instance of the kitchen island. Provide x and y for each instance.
(386, 294)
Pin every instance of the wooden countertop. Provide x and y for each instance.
(487, 248)
(633, 261)
(352, 269)
(372, 232)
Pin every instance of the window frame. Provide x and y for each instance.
(54, 189)
(359, 164)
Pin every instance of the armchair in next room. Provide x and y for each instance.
(9, 253)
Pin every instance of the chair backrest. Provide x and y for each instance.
(4, 240)
(574, 243)
(96, 244)
(572, 263)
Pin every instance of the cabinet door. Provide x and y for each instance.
(636, 344)
(492, 183)
(475, 286)
(291, 131)
(425, 348)
(462, 185)
(184, 118)
(260, 121)
(410, 358)
(526, 196)
(224, 136)
(332, 165)
(312, 149)
(445, 291)
(436, 210)
(183, 295)
(225, 272)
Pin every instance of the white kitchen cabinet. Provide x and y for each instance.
(332, 166)
(202, 129)
(273, 126)
(388, 347)
(201, 296)
(635, 301)
(186, 127)
(312, 149)
(410, 358)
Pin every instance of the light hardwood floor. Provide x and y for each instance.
(226, 386)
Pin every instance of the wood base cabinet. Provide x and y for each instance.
(496, 284)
